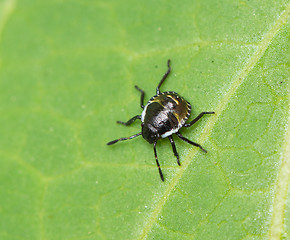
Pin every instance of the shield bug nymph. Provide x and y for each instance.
(163, 115)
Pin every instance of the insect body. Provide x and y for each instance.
(163, 115)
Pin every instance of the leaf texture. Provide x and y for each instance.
(67, 74)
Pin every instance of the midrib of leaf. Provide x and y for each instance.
(281, 191)
(261, 48)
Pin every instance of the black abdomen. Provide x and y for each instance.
(161, 119)
(164, 114)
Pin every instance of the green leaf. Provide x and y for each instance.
(67, 73)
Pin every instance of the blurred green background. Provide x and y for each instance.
(67, 73)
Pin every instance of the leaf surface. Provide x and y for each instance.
(67, 73)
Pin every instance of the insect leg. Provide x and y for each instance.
(142, 96)
(197, 118)
(164, 77)
(190, 142)
(122, 139)
(129, 122)
(159, 169)
(174, 148)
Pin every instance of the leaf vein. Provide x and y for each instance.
(261, 48)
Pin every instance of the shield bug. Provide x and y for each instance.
(163, 115)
